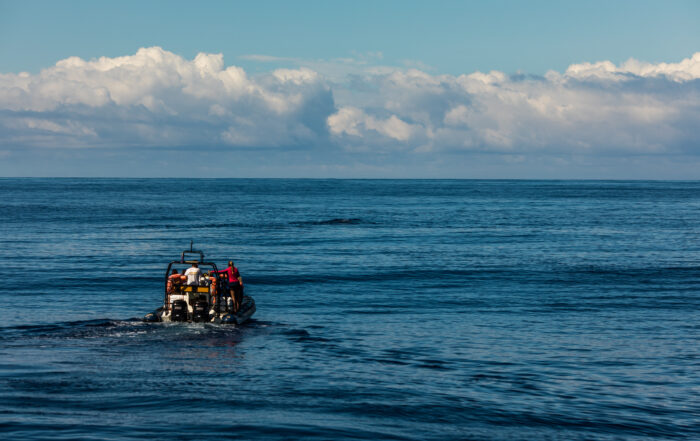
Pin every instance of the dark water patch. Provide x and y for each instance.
(334, 221)
(203, 225)
(433, 364)
(297, 333)
(303, 336)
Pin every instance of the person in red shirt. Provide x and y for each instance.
(235, 284)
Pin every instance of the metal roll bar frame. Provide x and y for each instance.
(199, 262)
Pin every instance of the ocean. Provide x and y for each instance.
(386, 309)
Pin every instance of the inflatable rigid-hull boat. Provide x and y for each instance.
(207, 300)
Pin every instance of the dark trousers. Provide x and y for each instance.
(237, 292)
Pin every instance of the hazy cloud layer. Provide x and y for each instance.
(157, 98)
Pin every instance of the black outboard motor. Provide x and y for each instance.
(178, 312)
(200, 311)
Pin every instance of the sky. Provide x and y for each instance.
(362, 89)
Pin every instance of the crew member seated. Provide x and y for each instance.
(173, 281)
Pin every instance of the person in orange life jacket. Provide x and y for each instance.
(173, 279)
(235, 284)
(213, 291)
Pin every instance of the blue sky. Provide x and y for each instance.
(500, 89)
(450, 36)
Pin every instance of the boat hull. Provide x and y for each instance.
(161, 315)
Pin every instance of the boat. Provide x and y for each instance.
(206, 300)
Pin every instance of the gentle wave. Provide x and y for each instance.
(412, 310)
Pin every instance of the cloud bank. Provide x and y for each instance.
(633, 108)
(156, 98)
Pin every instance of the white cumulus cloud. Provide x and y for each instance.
(688, 69)
(155, 97)
(598, 108)
(355, 122)
(158, 98)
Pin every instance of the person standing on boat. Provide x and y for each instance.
(235, 284)
(193, 274)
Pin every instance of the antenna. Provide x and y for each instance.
(192, 251)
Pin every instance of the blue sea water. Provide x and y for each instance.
(387, 309)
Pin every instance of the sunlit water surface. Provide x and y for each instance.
(421, 310)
